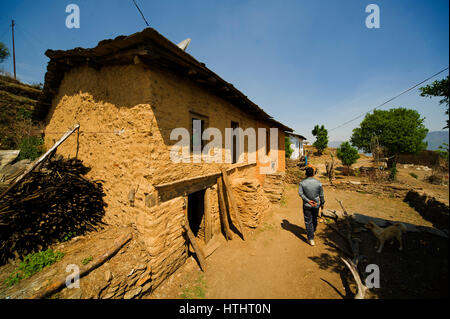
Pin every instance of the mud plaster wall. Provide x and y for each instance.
(126, 114)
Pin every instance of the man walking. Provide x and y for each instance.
(311, 191)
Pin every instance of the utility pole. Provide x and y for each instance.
(14, 49)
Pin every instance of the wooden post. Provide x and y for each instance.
(222, 210)
(40, 159)
(78, 141)
(232, 204)
(208, 219)
(197, 249)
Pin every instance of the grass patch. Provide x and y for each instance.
(414, 175)
(198, 291)
(32, 264)
(87, 260)
(68, 236)
(283, 200)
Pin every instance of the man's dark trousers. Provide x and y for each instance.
(310, 214)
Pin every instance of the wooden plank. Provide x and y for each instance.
(170, 190)
(232, 204)
(208, 217)
(198, 251)
(211, 247)
(41, 159)
(222, 210)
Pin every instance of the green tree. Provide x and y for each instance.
(347, 154)
(321, 135)
(438, 88)
(444, 151)
(399, 130)
(287, 147)
(4, 52)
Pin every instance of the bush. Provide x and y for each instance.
(31, 147)
(414, 175)
(347, 154)
(321, 134)
(287, 147)
(393, 172)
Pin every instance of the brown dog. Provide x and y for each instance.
(384, 234)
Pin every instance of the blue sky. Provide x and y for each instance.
(303, 62)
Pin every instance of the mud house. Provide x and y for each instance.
(296, 145)
(128, 94)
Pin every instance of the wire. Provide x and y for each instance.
(391, 99)
(141, 13)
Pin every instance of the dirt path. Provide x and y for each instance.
(274, 262)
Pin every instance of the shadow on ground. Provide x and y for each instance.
(419, 271)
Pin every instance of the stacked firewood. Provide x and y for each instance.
(49, 205)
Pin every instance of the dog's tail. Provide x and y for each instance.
(401, 226)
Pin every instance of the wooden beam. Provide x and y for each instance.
(197, 249)
(234, 216)
(41, 159)
(222, 210)
(176, 189)
(208, 217)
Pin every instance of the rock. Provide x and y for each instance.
(108, 275)
(108, 295)
(113, 289)
(132, 293)
(143, 279)
(146, 287)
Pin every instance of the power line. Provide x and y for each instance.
(141, 13)
(391, 99)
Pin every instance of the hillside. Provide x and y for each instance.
(435, 139)
(17, 101)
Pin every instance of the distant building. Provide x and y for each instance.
(297, 145)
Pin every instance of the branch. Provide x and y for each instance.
(361, 287)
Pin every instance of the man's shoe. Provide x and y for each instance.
(311, 242)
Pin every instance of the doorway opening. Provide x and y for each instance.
(196, 211)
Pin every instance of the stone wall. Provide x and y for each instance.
(427, 158)
(430, 208)
(274, 186)
(251, 201)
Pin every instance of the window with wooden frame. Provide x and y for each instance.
(197, 130)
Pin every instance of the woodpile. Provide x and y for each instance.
(47, 205)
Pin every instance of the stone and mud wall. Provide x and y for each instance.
(126, 115)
